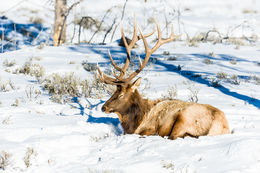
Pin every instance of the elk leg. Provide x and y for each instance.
(178, 129)
(219, 125)
(146, 131)
(217, 128)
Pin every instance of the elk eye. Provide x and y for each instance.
(121, 95)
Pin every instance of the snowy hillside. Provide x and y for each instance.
(45, 127)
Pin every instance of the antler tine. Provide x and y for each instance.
(172, 37)
(128, 48)
(163, 41)
(112, 60)
(119, 80)
(147, 35)
(148, 51)
(104, 78)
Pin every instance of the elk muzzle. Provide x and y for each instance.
(103, 108)
(106, 109)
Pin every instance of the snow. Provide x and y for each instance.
(78, 137)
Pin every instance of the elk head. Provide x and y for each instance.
(126, 94)
(123, 97)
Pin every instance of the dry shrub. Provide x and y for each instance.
(5, 160)
(256, 79)
(90, 67)
(172, 93)
(36, 20)
(233, 61)
(32, 93)
(100, 89)
(236, 41)
(35, 70)
(16, 103)
(168, 165)
(193, 97)
(210, 36)
(28, 157)
(208, 61)
(234, 80)
(6, 86)
(193, 42)
(222, 75)
(7, 120)
(61, 86)
(215, 83)
(7, 63)
(249, 11)
(88, 22)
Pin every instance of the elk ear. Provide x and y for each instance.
(136, 84)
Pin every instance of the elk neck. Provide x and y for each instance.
(136, 110)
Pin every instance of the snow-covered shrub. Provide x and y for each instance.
(249, 11)
(7, 63)
(5, 160)
(72, 62)
(31, 69)
(28, 157)
(193, 97)
(61, 86)
(236, 41)
(36, 20)
(172, 93)
(233, 61)
(168, 165)
(31, 92)
(36, 58)
(167, 53)
(222, 75)
(256, 79)
(208, 61)
(212, 54)
(99, 89)
(7, 120)
(6, 86)
(234, 80)
(87, 22)
(89, 66)
(210, 36)
(215, 83)
(193, 42)
(16, 103)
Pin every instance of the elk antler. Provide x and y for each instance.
(119, 80)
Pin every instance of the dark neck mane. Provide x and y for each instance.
(137, 110)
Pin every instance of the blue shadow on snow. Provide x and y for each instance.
(91, 119)
(175, 69)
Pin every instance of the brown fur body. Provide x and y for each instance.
(172, 118)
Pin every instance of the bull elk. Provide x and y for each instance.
(172, 118)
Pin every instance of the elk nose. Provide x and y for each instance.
(103, 108)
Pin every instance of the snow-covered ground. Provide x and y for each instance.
(39, 135)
